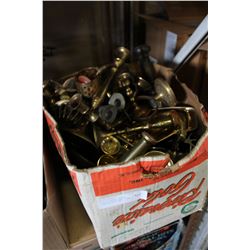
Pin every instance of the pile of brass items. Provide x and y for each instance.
(121, 110)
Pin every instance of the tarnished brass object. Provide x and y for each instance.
(110, 145)
(178, 108)
(54, 92)
(50, 87)
(75, 107)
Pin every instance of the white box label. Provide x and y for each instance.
(121, 199)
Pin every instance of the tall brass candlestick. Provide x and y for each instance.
(122, 55)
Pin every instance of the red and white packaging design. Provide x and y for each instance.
(122, 203)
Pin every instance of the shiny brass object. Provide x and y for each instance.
(110, 145)
(164, 92)
(122, 55)
(105, 160)
(98, 98)
(171, 118)
(145, 143)
(139, 148)
(175, 124)
(124, 83)
(187, 120)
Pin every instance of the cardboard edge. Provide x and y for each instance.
(53, 208)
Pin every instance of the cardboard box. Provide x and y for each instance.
(66, 224)
(123, 204)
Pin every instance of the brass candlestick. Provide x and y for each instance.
(122, 55)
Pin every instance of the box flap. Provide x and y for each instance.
(53, 197)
